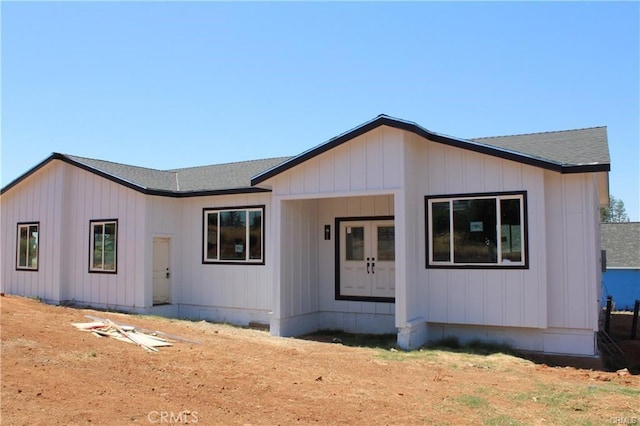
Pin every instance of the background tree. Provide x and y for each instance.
(615, 212)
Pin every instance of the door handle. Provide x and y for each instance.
(168, 274)
(367, 265)
(373, 265)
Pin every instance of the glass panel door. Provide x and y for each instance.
(367, 258)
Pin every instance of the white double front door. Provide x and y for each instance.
(367, 259)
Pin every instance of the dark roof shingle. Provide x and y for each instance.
(222, 176)
(577, 151)
(569, 147)
(142, 177)
(217, 177)
(622, 243)
(569, 151)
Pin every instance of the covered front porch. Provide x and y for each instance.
(339, 265)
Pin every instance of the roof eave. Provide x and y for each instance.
(101, 173)
(129, 184)
(204, 193)
(16, 181)
(412, 127)
(586, 168)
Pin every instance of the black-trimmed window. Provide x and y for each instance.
(477, 230)
(233, 235)
(27, 246)
(103, 246)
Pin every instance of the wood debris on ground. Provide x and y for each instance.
(125, 333)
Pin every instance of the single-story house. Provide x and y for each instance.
(621, 279)
(386, 228)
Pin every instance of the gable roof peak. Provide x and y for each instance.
(554, 151)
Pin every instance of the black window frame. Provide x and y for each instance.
(247, 260)
(28, 225)
(92, 269)
(523, 264)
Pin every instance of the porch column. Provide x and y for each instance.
(410, 321)
(276, 259)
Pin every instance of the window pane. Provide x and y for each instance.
(386, 243)
(233, 235)
(23, 247)
(98, 231)
(32, 254)
(474, 227)
(255, 235)
(440, 232)
(110, 246)
(355, 243)
(511, 230)
(212, 235)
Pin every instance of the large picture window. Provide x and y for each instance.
(103, 247)
(234, 235)
(27, 253)
(480, 230)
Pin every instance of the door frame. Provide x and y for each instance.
(169, 240)
(337, 253)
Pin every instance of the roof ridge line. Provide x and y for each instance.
(229, 163)
(538, 133)
(71, 157)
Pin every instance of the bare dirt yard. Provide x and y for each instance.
(53, 373)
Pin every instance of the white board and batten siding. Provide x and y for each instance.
(64, 199)
(222, 292)
(371, 316)
(162, 216)
(91, 197)
(556, 294)
(513, 298)
(356, 179)
(369, 162)
(550, 306)
(38, 199)
(305, 298)
(573, 251)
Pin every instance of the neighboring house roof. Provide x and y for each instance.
(622, 243)
(569, 151)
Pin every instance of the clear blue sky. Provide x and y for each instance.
(168, 85)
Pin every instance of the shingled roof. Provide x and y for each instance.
(228, 177)
(568, 151)
(622, 243)
(193, 181)
(570, 147)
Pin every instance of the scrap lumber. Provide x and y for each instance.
(147, 331)
(107, 328)
(130, 336)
